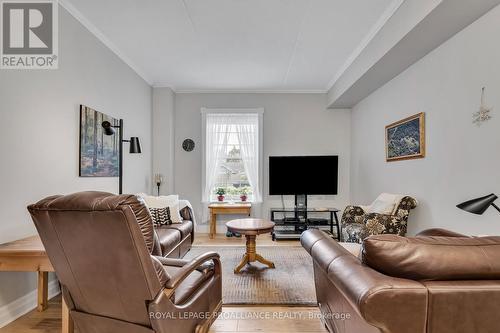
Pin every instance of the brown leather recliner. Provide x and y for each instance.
(100, 245)
(438, 282)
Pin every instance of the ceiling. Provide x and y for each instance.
(233, 45)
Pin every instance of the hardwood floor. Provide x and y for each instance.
(240, 319)
(244, 319)
(269, 319)
(48, 321)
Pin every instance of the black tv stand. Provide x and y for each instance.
(290, 223)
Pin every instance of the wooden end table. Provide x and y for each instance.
(28, 255)
(251, 228)
(227, 209)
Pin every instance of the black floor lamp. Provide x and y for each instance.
(480, 205)
(135, 147)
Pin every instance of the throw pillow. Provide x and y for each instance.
(384, 204)
(170, 201)
(160, 216)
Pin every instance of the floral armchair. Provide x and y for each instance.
(359, 222)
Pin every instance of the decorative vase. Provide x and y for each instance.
(243, 198)
(220, 198)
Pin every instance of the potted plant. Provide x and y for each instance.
(244, 194)
(220, 191)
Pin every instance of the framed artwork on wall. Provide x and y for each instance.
(99, 153)
(405, 139)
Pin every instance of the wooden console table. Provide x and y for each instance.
(28, 255)
(227, 209)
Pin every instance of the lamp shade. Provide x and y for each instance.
(135, 145)
(478, 206)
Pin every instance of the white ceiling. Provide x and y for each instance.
(250, 45)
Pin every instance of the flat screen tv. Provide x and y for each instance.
(296, 175)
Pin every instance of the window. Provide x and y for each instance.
(232, 154)
(231, 173)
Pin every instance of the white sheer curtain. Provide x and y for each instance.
(247, 127)
(218, 128)
(216, 143)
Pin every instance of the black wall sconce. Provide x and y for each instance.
(480, 205)
(135, 147)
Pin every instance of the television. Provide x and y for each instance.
(299, 175)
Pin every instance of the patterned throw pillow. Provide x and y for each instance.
(171, 201)
(161, 216)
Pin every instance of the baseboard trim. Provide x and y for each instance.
(24, 304)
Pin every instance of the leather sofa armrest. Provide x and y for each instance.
(173, 261)
(354, 278)
(385, 302)
(361, 284)
(439, 232)
(187, 213)
(207, 265)
(184, 272)
(310, 237)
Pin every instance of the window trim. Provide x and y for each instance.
(260, 113)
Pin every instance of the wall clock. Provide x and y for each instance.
(188, 145)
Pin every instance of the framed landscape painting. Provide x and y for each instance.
(405, 139)
(98, 152)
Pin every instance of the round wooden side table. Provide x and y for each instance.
(251, 228)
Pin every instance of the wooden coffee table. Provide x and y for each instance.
(251, 228)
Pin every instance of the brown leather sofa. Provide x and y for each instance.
(101, 246)
(438, 282)
(175, 240)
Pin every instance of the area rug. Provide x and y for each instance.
(290, 283)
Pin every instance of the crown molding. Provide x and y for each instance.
(384, 18)
(100, 36)
(248, 91)
(240, 91)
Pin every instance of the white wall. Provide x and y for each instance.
(39, 130)
(163, 138)
(463, 160)
(294, 124)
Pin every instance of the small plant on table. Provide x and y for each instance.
(244, 192)
(220, 191)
